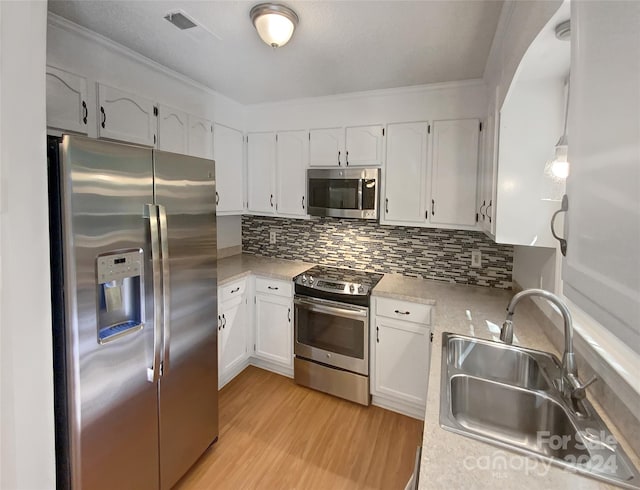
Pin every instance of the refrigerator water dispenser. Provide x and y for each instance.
(120, 294)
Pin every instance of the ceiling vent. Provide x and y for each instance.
(180, 20)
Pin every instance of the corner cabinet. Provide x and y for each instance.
(274, 323)
(233, 331)
(123, 116)
(228, 150)
(401, 352)
(67, 107)
(350, 146)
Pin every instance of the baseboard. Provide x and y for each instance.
(399, 407)
(271, 366)
(233, 373)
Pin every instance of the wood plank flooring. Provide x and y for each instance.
(275, 434)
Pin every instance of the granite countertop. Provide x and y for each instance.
(454, 461)
(450, 460)
(241, 265)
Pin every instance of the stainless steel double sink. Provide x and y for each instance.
(509, 396)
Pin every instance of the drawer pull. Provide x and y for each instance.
(272, 288)
(235, 290)
(402, 312)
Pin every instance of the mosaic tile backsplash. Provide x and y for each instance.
(443, 255)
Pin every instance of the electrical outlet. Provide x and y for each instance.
(272, 237)
(476, 258)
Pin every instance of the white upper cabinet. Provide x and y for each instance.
(228, 154)
(292, 164)
(326, 147)
(172, 130)
(261, 167)
(601, 270)
(363, 145)
(488, 173)
(454, 172)
(123, 116)
(405, 174)
(346, 147)
(66, 101)
(200, 137)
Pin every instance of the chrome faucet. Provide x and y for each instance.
(569, 382)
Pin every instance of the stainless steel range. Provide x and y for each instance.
(332, 331)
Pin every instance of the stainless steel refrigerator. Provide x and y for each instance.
(133, 255)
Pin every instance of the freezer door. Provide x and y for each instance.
(113, 418)
(188, 391)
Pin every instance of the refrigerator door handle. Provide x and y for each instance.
(166, 290)
(151, 213)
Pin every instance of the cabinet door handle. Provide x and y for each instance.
(289, 315)
(487, 210)
(272, 288)
(484, 203)
(217, 198)
(224, 321)
(377, 335)
(386, 205)
(398, 312)
(85, 112)
(104, 117)
(347, 153)
(339, 158)
(219, 322)
(302, 202)
(564, 207)
(271, 200)
(235, 290)
(433, 207)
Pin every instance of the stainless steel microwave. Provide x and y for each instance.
(344, 192)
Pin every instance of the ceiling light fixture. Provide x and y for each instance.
(274, 22)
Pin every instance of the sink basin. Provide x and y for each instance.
(497, 362)
(513, 415)
(505, 395)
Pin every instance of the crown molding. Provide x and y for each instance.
(385, 92)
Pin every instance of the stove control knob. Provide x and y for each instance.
(352, 288)
(360, 289)
(304, 278)
(310, 279)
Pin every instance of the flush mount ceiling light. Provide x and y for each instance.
(274, 22)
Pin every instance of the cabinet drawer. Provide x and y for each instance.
(232, 290)
(274, 286)
(403, 310)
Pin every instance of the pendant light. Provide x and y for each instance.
(274, 22)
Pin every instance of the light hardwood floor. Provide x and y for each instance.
(275, 434)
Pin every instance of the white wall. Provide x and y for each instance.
(229, 231)
(428, 102)
(27, 456)
(535, 267)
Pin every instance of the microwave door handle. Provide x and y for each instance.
(166, 290)
(151, 213)
(360, 185)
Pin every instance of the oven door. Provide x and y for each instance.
(332, 333)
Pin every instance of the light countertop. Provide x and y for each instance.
(450, 460)
(237, 266)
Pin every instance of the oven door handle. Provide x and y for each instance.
(333, 310)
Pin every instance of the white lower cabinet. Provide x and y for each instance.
(274, 322)
(233, 331)
(401, 351)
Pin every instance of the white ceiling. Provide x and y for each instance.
(338, 47)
